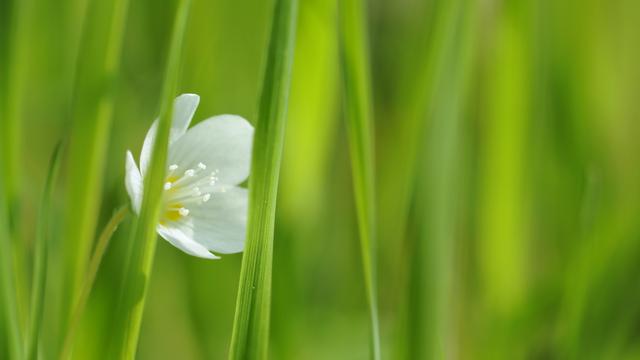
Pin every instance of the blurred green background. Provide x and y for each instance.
(508, 177)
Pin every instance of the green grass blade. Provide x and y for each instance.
(20, 25)
(357, 87)
(250, 336)
(41, 254)
(8, 286)
(91, 120)
(438, 194)
(90, 275)
(144, 236)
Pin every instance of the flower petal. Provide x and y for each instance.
(133, 182)
(220, 224)
(178, 236)
(222, 143)
(184, 106)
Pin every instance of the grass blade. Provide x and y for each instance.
(433, 325)
(90, 276)
(41, 254)
(20, 23)
(91, 118)
(144, 235)
(250, 336)
(359, 115)
(8, 286)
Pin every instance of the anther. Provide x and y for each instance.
(167, 185)
(190, 172)
(183, 211)
(173, 167)
(206, 197)
(202, 166)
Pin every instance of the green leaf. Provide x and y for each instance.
(8, 286)
(439, 191)
(359, 115)
(41, 255)
(250, 336)
(144, 235)
(90, 128)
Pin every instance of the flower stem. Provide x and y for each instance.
(90, 276)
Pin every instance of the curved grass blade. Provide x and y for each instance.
(90, 275)
(359, 116)
(97, 70)
(250, 336)
(41, 254)
(144, 234)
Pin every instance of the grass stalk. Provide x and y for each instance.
(354, 58)
(41, 255)
(433, 325)
(137, 277)
(20, 21)
(250, 337)
(91, 120)
(8, 286)
(90, 276)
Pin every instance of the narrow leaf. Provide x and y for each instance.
(251, 324)
(8, 286)
(144, 235)
(91, 119)
(359, 115)
(41, 255)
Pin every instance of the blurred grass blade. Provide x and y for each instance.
(41, 254)
(357, 87)
(8, 288)
(17, 60)
(433, 325)
(144, 235)
(91, 119)
(90, 275)
(250, 338)
(503, 218)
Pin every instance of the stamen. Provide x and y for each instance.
(202, 166)
(183, 211)
(173, 167)
(206, 197)
(167, 185)
(190, 172)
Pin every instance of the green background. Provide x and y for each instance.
(507, 176)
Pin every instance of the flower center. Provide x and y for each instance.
(186, 188)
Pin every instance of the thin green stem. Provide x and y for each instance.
(359, 114)
(250, 338)
(8, 286)
(91, 121)
(141, 257)
(41, 258)
(90, 276)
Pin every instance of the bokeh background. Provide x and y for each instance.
(507, 183)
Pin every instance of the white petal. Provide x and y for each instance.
(184, 106)
(222, 143)
(133, 182)
(220, 224)
(179, 237)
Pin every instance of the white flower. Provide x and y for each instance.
(203, 209)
